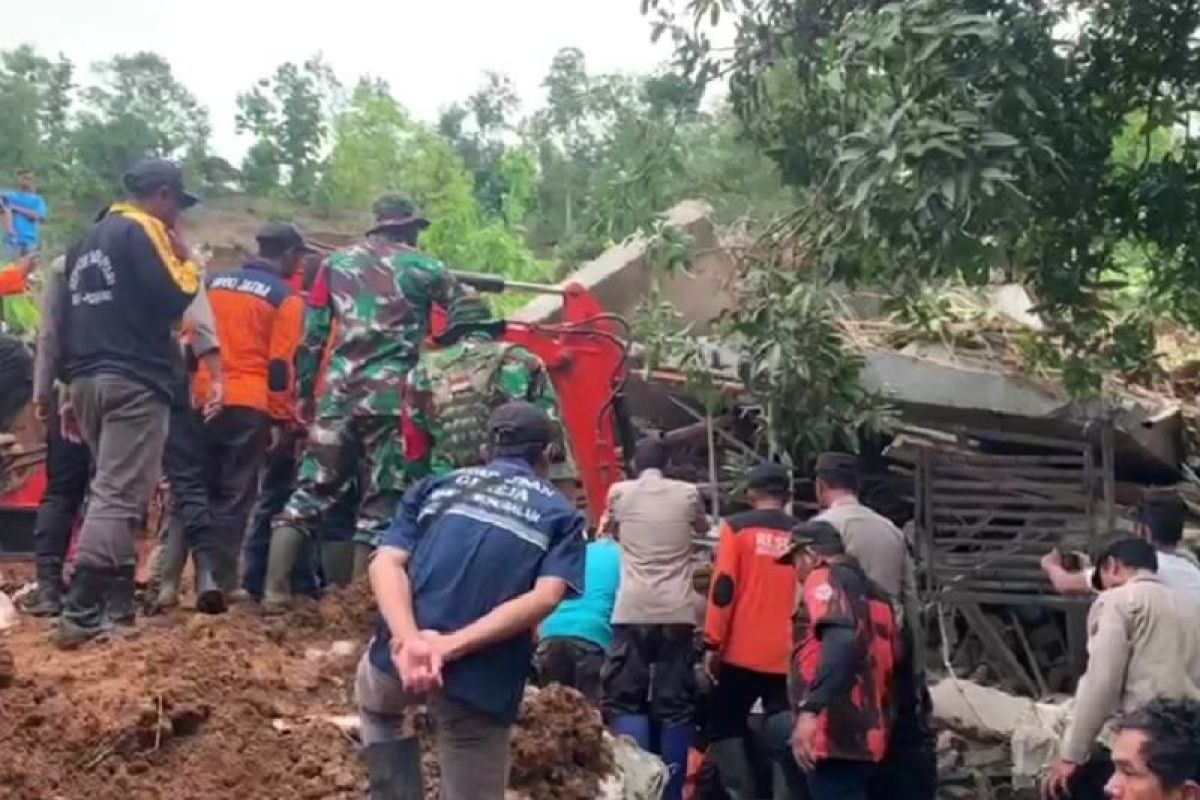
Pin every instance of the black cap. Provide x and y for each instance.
(286, 233)
(1128, 550)
(396, 211)
(771, 478)
(519, 423)
(837, 463)
(151, 174)
(817, 534)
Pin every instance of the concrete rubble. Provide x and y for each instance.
(987, 731)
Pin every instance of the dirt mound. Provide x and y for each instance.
(234, 706)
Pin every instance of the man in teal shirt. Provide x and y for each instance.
(575, 637)
(27, 211)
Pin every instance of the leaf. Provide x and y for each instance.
(998, 139)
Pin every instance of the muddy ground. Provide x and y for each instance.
(238, 706)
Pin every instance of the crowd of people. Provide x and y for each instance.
(309, 437)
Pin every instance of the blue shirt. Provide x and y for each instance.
(25, 230)
(590, 617)
(478, 538)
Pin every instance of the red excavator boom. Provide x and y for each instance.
(586, 353)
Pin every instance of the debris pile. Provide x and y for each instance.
(234, 706)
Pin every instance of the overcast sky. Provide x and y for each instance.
(432, 52)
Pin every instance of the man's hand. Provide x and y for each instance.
(216, 398)
(279, 436)
(803, 733)
(712, 665)
(178, 246)
(419, 662)
(27, 264)
(1057, 778)
(69, 424)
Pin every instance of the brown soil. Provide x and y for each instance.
(229, 707)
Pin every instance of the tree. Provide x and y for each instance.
(480, 130)
(289, 113)
(932, 139)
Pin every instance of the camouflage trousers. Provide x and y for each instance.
(337, 451)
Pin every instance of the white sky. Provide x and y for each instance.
(432, 52)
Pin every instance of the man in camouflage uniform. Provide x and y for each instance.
(452, 391)
(380, 295)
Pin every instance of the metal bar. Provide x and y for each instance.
(712, 466)
(994, 644)
(1109, 473)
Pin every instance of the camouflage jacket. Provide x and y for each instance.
(484, 374)
(380, 295)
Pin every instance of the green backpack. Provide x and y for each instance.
(464, 390)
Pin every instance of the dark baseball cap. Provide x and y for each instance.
(817, 534)
(836, 464)
(520, 423)
(773, 478)
(285, 232)
(151, 174)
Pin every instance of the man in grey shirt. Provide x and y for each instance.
(654, 520)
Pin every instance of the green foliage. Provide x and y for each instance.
(949, 139)
(288, 113)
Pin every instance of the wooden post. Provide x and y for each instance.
(1108, 466)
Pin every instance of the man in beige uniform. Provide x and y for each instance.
(1143, 643)
(654, 519)
(909, 770)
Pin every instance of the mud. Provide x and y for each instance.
(238, 706)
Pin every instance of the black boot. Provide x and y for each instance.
(83, 617)
(119, 605)
(47, 600)
(394, 770)
(209, 597)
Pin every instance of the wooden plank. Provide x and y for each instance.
(1073, 475)
(1033, 440)
(1012, 485)
(997, 500)
(1004, 659)
(993, 458)
(1022, 519)
(970, 584)
(1019, 631)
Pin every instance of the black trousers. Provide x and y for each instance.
(68, 469)
(235, 445)
(909, 767)
(16, 379)
(183, 463)
(650, 670)
(734, 695)
(572, 662)
(835, 779)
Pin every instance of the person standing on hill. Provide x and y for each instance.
(381, 295)
(27, 211)
(128, 282)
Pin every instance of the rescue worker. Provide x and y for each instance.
(128, 282)
(452, 390)
(1156, 752)
(845, 652)
(574, 638)
(747, 627)
(1143, 644)
(68, 463)
(456, 630)
(909, 771)
(189, 520)
(259, 321)
(1160, 519)
(16, 363)
(13, 278)
(654, 519)
(381, 294)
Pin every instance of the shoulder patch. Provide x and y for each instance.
(824, 593)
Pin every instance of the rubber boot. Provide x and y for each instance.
(394, 770)
(675, 741)
(169, 561)
(210, 599)
(362, 559)
(337, 562)
(83, 616)
(730, 757)
(119, 603)
(47, 599)
(287, 543)
(635, 726)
